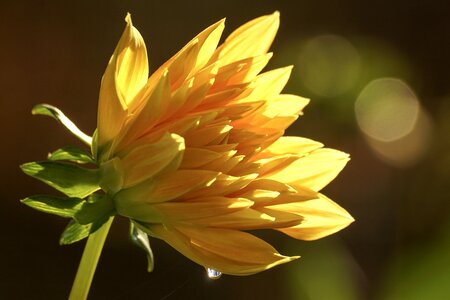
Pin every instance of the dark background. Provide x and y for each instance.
(399, 246)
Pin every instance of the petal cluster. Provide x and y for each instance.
(195, 154)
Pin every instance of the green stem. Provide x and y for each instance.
(88, 263)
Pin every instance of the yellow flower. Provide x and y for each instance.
(195, 154)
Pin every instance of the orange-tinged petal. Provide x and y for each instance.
(143, 120)
(206, 135)
(223, 185)
(225, 163)
(197, 157)
(269, 84)
(125, 75)
(315, 170)
(322, 217)
(251, 39)
(133, 201)
(251, 219)
(267, 197)
(190, 211)
(228, 251)
(240, 71)
(148, 160)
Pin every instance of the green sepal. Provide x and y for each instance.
(45, 110)
(69, 179)
(63, 207)
(94, 144)
(75, 231)
(140, 239)
(73, 154)
(55, 113)
(97, 207)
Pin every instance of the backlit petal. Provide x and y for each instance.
(251, 39)
(322, 217)
(125, 75)
(227, 251)
(148, 160)
(315, 170)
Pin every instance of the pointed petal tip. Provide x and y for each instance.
(275, 18)
(219, 24)
(128, 19)
(287, 258)
(283, 259)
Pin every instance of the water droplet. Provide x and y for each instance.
(213, 274)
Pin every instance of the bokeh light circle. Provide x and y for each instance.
(387, 109)
(330, 65)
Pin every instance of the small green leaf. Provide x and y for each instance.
(140, 239)
(63, 207)
(72, 154)
(54, 112)
(72, 180)
(97, 207)
(75, 231)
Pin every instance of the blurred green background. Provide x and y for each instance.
(378, 75)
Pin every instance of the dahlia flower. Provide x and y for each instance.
(195, 154)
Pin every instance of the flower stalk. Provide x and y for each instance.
(89, 261)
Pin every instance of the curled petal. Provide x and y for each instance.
(227, 251)
(125, 75)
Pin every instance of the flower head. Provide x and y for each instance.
(195, 154)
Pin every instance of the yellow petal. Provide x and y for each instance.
(125, 75)
(315, 170)
(223, 185)
(269, 85)
(251, 39)
(225, 163)
(197, 157)
(199, 85)
(216, 98)
(143, 120)
(290, 145)
(148, 160)
(228, 251)
(267, 166)
(208, 41)
(269, 185)
(207, 134)
(240, 71)
(252, 219)
(322, 217)
(267, 197)
(285, 105)
(189, 211)
(193, 56)
(166, 187)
